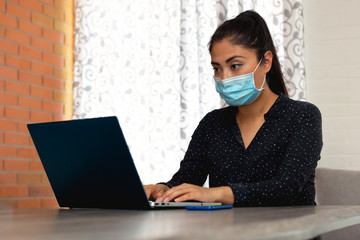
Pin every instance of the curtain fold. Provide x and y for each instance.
(146, 61)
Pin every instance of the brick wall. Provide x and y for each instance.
(332, 37)
(36, 64)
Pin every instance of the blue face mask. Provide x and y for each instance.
(239, 90)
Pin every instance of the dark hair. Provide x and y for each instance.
(249, 30)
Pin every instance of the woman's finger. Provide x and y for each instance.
(176, 192)
(186, 197)
(157, 194)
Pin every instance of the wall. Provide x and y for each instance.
(332, 37)
(36, 63)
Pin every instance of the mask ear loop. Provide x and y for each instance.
(262, 85)
(257, 66)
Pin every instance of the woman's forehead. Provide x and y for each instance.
(225, 49)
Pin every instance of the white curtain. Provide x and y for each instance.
(146, 61)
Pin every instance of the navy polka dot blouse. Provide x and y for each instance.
(277, 168)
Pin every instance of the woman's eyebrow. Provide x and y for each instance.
(232, 58)
(228, 60)
(215, 63)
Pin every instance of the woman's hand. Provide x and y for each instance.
(190, 192)
(154, 192)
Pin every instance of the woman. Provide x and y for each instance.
(263, 149)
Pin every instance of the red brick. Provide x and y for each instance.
(32, 4)
(30, 53)
(2, 110)
(36, 166)
(8, 125)
(63, 97)
(41, 68)
(53, 59)
(49, 203)
(1, 137)
(29, 178)
(22, 127)
(30, 28)
(7, 178)
(2, 85)
(42, 20)
(17, 36)
(42, 44)
(61, 117)
(63, 28)
(2, 5)
(29, 203)
(53, 12)
(7, 72)
(8, 47)
(54, 36)
(1, 164)
(63, 73)
(2, 32)
(29, 102)
(41, 92)
(53, 83)
(7, 151)
(2, 58)
(17, 87)
(16, 165)
(17, 113)
(29, 153)
(30, 77)
(44, 179)
(64, 5)
(40, 190)
(8, 20)
(16, 139)
(18, 11)
(8, 99)
(51, 2)
(14, 191)
(17, 62)
(53, 107)
(40, 116)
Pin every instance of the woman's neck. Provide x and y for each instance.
(259, 107)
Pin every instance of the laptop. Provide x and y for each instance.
(89, 165)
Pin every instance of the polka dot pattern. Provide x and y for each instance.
(277, 168)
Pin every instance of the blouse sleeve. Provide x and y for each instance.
(194, 167)
(302, 154)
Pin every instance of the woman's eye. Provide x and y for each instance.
(236, 66)
(216, 69)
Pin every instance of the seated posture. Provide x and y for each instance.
(261, 150)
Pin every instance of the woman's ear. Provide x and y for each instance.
(268, 56)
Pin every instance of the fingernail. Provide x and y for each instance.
(160, 199)
(166, 199)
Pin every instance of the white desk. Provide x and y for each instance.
(238, 223)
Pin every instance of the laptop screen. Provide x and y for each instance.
(89, 164)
